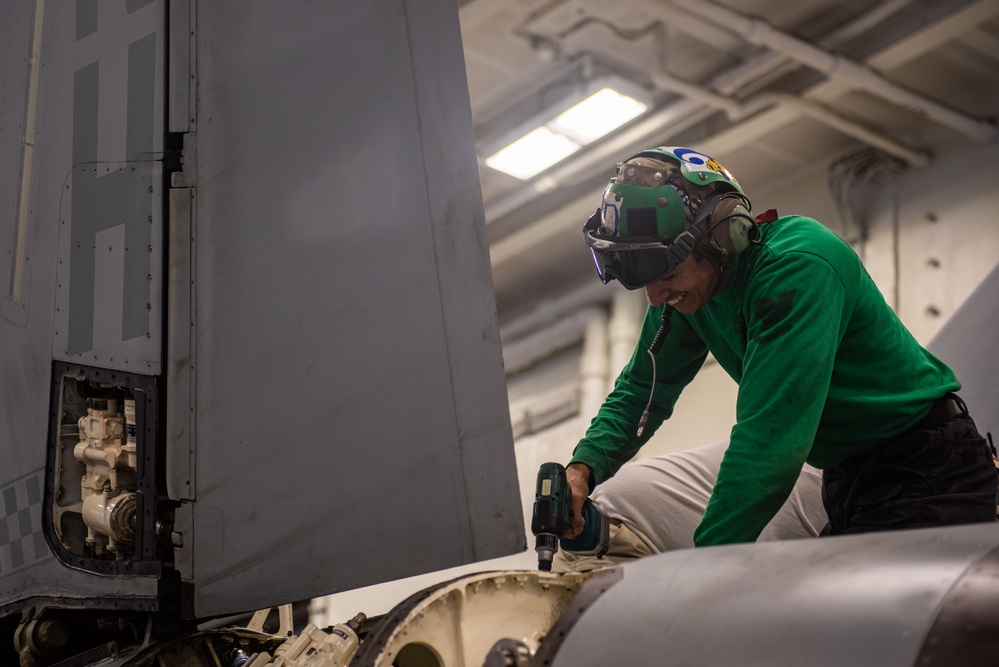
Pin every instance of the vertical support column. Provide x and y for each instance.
(627, 312)
(593, 365)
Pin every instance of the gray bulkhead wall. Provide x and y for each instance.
(967, 345)
(349, 415)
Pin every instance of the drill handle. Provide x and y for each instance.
(595, 538)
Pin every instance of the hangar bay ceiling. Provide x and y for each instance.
(775, 90)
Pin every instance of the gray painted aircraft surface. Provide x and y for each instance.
(248, 355)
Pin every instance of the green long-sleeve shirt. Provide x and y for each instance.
(825, 371)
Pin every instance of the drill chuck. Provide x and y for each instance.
(546, 544)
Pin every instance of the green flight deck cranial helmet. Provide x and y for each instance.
(659, 206)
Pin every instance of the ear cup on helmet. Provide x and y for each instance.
(731, 225)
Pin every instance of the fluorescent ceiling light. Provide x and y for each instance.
(557, 138)
(532, 153)
(599, 114)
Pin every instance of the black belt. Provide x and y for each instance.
(944, 408)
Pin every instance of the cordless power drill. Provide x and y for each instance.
(553, 517)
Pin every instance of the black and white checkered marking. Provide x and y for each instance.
(21, 540)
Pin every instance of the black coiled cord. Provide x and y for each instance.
(657, 343)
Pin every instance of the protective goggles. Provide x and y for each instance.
(635, 264)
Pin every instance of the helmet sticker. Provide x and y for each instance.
(698, 162)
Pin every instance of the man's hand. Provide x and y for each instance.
(578, 477)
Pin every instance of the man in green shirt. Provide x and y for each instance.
(827, 373)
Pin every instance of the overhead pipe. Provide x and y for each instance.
(837, 67)
(544, 410)
(771, 63)
(563, 334)
(826, 116)
(593, 293)
(865, 22)
(737, 111)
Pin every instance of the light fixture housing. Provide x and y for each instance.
(596, 109)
